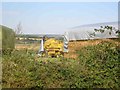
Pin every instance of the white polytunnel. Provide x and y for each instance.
(84, 32)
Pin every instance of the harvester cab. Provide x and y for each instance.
(52, 47)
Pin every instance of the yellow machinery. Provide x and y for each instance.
(53, 48)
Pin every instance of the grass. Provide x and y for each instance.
(96, 67)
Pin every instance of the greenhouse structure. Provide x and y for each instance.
(86, 32)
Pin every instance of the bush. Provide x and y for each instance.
(96, 67)
(21, 70)
(8, 39)
(101, 63)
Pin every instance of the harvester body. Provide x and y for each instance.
(51, 48)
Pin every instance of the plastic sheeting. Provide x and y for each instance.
(85, 32)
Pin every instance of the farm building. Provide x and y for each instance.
(80, 36)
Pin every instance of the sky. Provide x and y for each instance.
(56, 17)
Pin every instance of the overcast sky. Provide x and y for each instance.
(56, 17)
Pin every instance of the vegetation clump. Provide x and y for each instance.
(8, 39)
(101, 64)
(96, 67)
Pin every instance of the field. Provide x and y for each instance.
(77, 45)
(73, 46)
(35, 46)
(89, 64)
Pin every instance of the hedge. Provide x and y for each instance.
(8, 38)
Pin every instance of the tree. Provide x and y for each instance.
(18, 29)
(109, 28)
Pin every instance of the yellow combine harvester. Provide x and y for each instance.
(51, 47)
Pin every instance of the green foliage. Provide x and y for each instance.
(118, 31)
(102, 65)
(21, 70)
(96, 67)
(8, 39)
(102, 29)
(107, 28)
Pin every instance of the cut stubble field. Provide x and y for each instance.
(73, 46)
(34, 46)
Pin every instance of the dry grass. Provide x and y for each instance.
(34, 46)
(73, 46)
(76, 45)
